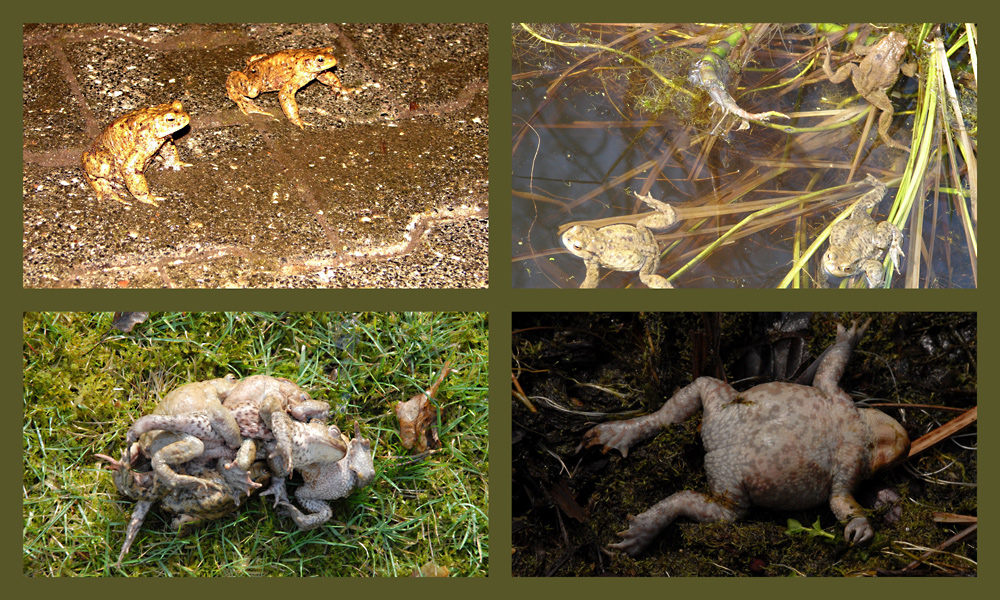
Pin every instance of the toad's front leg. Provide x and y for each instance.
(286, 96)
(135, 180)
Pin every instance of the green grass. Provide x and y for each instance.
(85, 383)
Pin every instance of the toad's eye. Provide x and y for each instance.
(577, 246)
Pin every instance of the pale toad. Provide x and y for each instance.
(776, 445)
(623, 247)
(328, 481)
(857, 244)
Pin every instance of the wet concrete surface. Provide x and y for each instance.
(387, 187)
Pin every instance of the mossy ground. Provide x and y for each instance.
(567, 506)
(85, 383)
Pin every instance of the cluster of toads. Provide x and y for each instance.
(209, 445)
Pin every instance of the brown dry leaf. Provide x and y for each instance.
(125, 321)
(418, 418)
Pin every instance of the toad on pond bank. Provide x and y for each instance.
(123, 151)
(857, 244)
(623, 247)
(284, 72)
(777, 445)
(875, 75)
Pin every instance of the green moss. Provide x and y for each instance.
(84, 384)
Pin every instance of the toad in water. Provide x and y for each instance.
(283, 72)
(875, 75)
(857, 244)
(623, 247)
(777, 445)
(123, 151)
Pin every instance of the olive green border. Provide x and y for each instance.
(499, 300)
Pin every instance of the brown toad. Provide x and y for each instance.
(190, 505)
(189, 423)
(124, 150)
(261, 405)
(328, 481)
(225, 484)
(623, 247)
(875, 75)
(283, 72)
(857, 244)
(776, 445)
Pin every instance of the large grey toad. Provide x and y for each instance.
(777, 445)
(858, 243)
(623, 247)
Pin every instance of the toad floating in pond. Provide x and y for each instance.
(124, 150)
(283, 72)
(777, 445)
(623, 247)
(857, 244)
(875, 75)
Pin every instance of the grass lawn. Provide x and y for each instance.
(85, 383)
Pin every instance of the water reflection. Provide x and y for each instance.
(593, 127)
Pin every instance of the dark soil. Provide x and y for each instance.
(567, 506)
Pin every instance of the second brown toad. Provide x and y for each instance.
(284, 72)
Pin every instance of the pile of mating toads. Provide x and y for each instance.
(210, 445)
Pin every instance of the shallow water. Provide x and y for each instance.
(588, 146)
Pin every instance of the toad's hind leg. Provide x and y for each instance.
(834, 359)
(319, 513)
(655, 281)
(135, 522)
(651, 279)
(240, 90)
(692, 505)
(178, 453)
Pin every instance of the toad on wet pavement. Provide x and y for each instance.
(126, 147)
(284, 72)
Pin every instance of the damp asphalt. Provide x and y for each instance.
(386, 188)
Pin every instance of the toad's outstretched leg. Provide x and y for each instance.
(697, 507)
(622, 435)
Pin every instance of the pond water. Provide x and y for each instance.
(592, 128)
